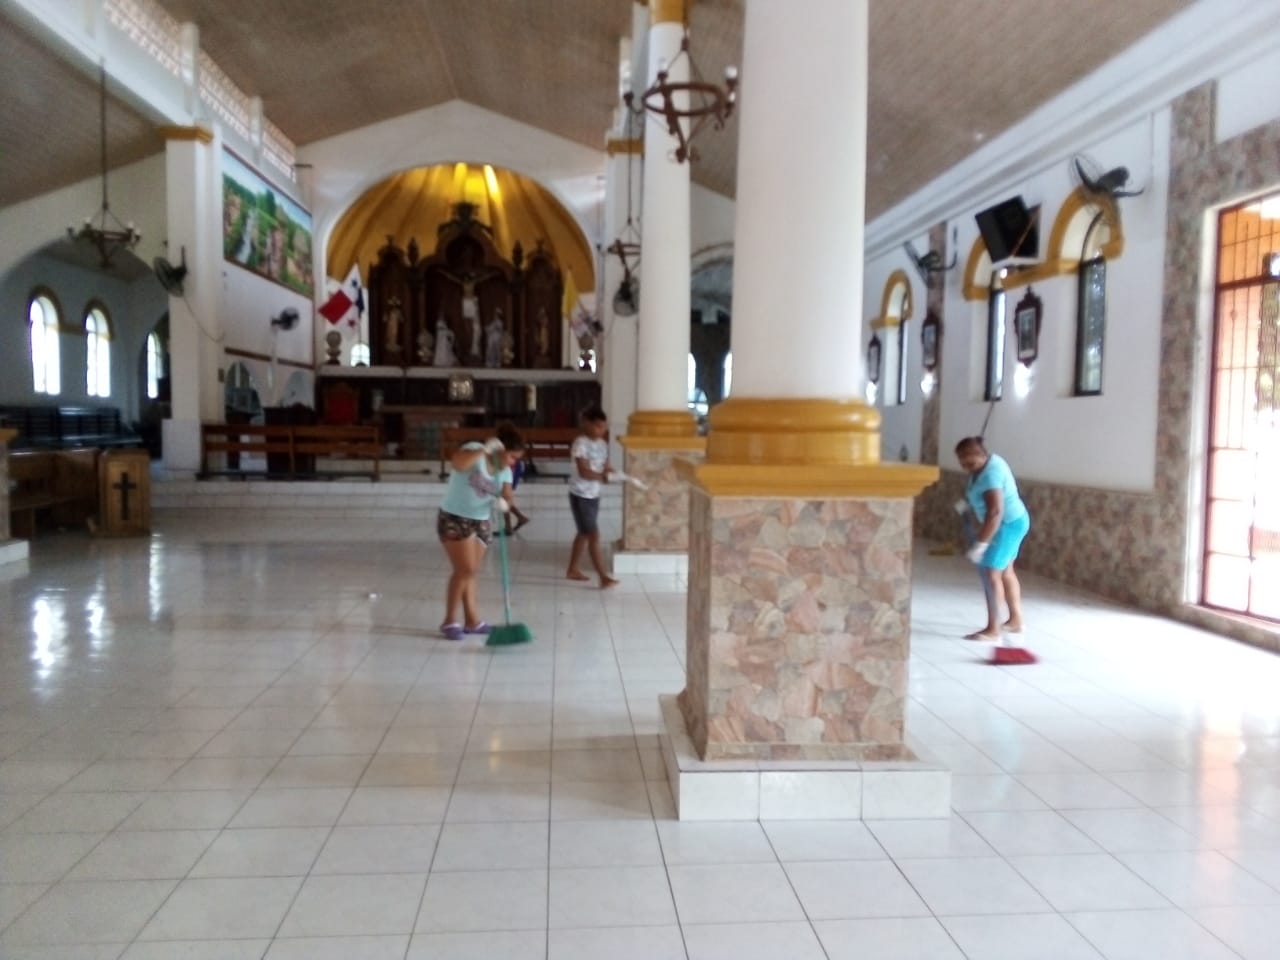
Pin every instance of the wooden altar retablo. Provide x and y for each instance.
(475, 306)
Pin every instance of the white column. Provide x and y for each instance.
(664, 271)
(194, 222)
(802, 145)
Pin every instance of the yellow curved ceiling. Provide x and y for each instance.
(413, 203)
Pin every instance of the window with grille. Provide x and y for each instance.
(155, 365)
(1242, 522)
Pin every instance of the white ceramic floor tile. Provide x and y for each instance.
(972, 886)
(1202, 878)
(364, 905)
(684, 843)
(197, 950)
(484, 901)
(1018, 937)
(339, 948)
(736, 893)
(923, 839)
(89, 912)
(144, 855)
(262, 852)
(610, 897)
(43, 857)
(842, 890)
(491, 846)
(489, 945)
(205, 909)
(887, 938)
(1144, 934)
(604, 843)
(1030, 832)
(1252, 932)
(402, 848)
(1082, 882)
(752, 941)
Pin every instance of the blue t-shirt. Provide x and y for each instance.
(470, 493)
(996, 475)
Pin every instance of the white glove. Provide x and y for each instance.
(493, 446)
(500, 504)
(961, 506)
(627, 478)
(976, 552)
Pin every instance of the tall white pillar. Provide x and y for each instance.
(665, 246)
(194, 223)
(797, 305)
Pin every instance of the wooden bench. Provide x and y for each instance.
(62, 482)
(541, 443)
(294, 445)
(63, 428)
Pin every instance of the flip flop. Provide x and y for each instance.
(480, 629)
(451, 631)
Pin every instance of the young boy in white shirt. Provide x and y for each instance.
(590, 456)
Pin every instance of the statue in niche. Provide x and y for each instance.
(508, 349)
(444, 355)
(543, 338)
(425, 344)
(392, 325)
(493, 340)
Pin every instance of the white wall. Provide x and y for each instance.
(900, 424)
(1247, 97)
(1106, 441)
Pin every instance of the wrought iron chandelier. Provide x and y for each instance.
(104, 229)
(695, 100)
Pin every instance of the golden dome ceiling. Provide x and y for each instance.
(413, 203)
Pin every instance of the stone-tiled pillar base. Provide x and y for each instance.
(798, 629)
(655, 522)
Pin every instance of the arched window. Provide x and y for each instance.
(97, 333)
(44, 321)
(895, 311)
(727, 375)
(155, 365)
(360, 355)
(994, 387)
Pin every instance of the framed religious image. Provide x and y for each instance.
(1026, 326)
(873, 359)
(263, 229)
(929, 334)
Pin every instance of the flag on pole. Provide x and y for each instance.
(336, 307)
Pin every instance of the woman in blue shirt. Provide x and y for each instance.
(480, 482)
(1003, 522)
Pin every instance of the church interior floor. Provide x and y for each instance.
(241, 738)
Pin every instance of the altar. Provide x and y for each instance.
(463, 336)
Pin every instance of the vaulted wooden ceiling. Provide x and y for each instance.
(945, 75)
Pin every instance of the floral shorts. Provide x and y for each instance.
(450, 526)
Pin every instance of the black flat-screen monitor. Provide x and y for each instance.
(1010, 230)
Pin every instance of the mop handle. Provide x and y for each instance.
(506, 586)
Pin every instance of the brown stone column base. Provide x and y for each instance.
(656, 520)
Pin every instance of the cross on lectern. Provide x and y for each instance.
(124, 486)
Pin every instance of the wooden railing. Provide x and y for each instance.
(541, 443)
(290, 449)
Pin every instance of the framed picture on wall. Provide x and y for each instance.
(929, 334)
(263, 229)
(873, 359)
(1026, 326)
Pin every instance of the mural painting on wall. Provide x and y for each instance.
(263, 230)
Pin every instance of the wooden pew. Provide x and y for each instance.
(62, 482)
(298, 443)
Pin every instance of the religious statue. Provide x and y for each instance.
(392, 324)
(425, 341)
(544, 338)
(493, 340)
(444, 356)
(471, 307)
(508, 349)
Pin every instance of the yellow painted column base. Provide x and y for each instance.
(661, 423)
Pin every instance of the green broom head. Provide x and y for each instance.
(508, 635)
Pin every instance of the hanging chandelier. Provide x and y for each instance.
(695, 100)
(103, 229)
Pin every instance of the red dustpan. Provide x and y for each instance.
(1006, 656)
